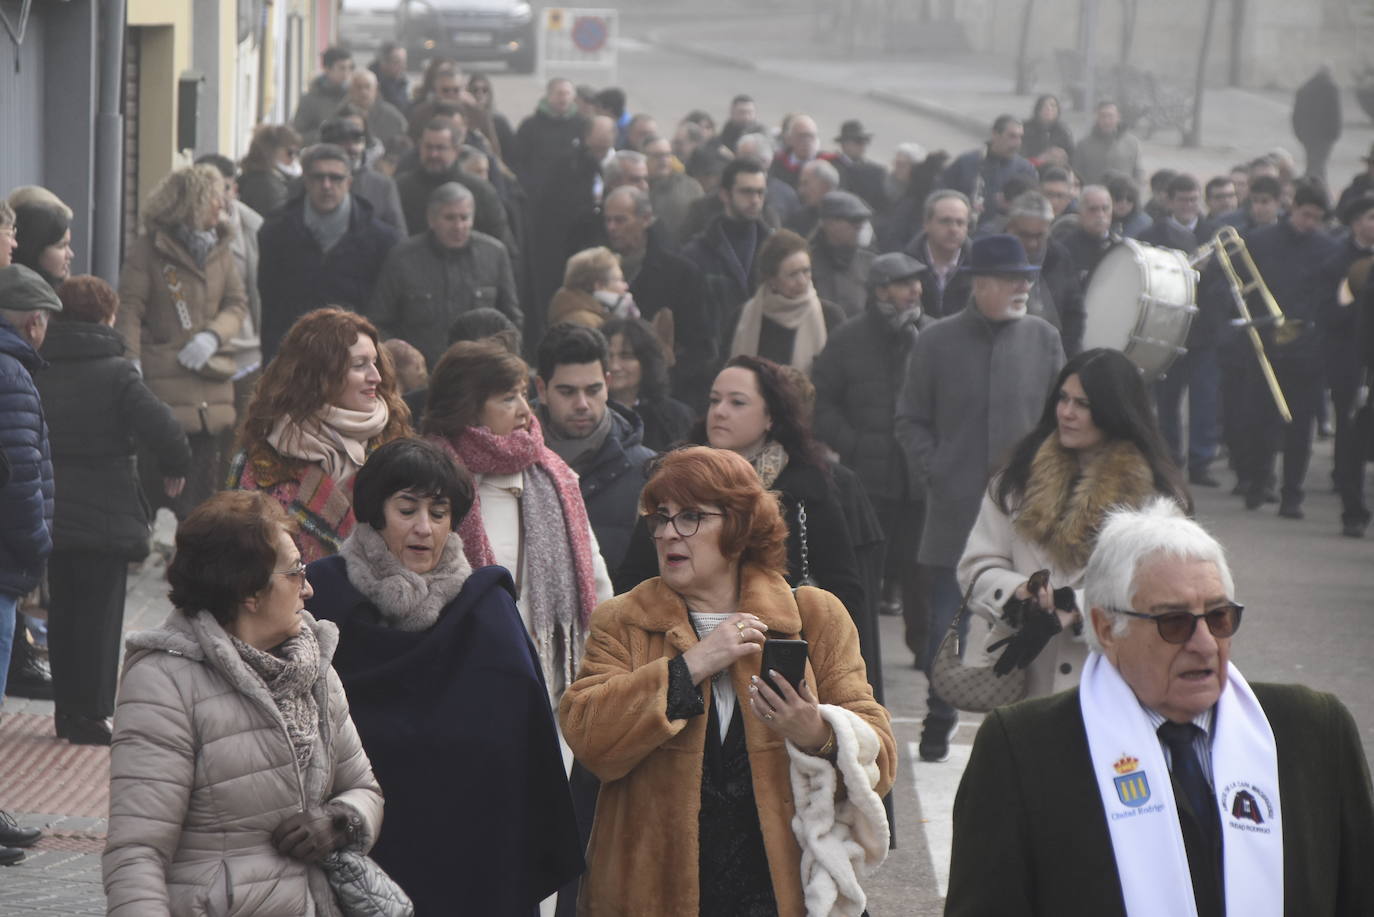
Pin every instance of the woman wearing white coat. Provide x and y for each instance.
(1096, 446)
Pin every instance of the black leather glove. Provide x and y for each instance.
(1038, 627)
(311, 835)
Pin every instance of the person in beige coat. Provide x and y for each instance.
(235, 767)
(182, 299)
(1097, 446)
(719, 794)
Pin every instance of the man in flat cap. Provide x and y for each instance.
(975, 385)
(27, 301)
(840, 257)
(857, 376)
(858, 173)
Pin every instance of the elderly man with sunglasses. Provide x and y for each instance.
(1165, 784)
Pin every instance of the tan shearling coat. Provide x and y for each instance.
(642, 856)
(153, 331)
(202, 770)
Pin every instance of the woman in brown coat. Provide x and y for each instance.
(181, 298)
(704, 766)
(235, 767)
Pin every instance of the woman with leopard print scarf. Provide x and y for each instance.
(1097, 446)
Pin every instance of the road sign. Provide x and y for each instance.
(577, 39)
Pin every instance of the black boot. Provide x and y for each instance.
(11, 835)
(82, 730)
(29, 676)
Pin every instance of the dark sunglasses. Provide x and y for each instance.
(686, 522)
(1179, 626)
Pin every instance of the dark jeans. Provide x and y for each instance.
(945, 597)
(1351, 443)
(1198, 372)
(85, 626)
(901, 521)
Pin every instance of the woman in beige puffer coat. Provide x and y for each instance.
(235, 766)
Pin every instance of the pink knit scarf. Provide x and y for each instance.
(483, 452)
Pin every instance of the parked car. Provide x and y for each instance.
(468, 30)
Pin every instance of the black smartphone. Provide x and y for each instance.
(787, 658)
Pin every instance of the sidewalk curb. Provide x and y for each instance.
(714, 57)
(919, 106)
(974, 125)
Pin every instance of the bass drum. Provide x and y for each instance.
(1141, 301)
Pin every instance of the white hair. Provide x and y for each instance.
(912, 151)
(1031, 204)
(1130, 537)
(613, 173)
(757, 146)
(828, 173)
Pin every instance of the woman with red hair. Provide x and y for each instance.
(326, 400)
(704, 766)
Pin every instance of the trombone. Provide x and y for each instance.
(1230, 251)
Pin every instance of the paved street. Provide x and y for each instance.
(1309, 618)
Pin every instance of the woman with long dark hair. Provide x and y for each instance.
(1097, 446)
(756, 411)
(637, 377)
(1045, 129)
(272, 162)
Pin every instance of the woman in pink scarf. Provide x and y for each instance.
(323, 404)
(529, 516)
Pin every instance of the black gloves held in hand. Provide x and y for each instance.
(1038, 627)
(313, 834)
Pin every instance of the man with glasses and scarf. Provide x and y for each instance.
(1165, 783)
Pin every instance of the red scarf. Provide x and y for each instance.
(483, 452)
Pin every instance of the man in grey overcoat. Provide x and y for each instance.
(975, 384)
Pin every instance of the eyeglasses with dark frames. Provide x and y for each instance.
(1179, 626)
(686, 522)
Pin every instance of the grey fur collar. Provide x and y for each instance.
(408, 601)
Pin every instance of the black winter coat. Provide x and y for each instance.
(457, 724)
(1039, 137)
(1059, 277)
(730, 282)
(26, 501)
(98, 407)
(540, 141)
(611, 481)
(829, 546)
(669, 281)
(1292, 264)
(939, 302)
(1317, 110)
(857, 377)
(295, 276)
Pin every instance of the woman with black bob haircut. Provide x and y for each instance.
(235, 767)
(447, 693)
(637, 376)
(1097, 447)
(756, 411)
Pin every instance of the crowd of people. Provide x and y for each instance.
(595, 411)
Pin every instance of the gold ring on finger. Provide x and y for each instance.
(740, 625)
(768, 716)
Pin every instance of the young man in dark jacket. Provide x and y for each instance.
(600, 440)
(26, 303)
(324, 248)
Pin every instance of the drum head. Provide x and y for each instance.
(1112, 300)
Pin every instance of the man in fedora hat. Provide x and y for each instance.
(975, 385)
(855, 405)
(858, 173)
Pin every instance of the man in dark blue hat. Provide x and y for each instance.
(975, 385)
